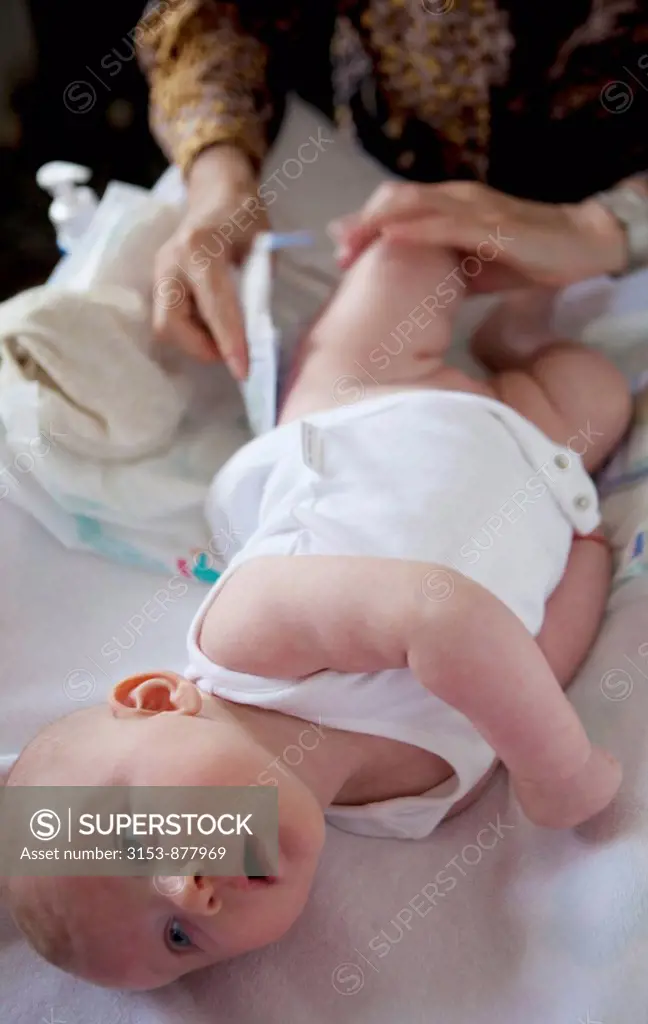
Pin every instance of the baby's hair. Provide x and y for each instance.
(46, 934)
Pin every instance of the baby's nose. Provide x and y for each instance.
(194, 894)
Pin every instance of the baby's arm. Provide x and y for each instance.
(292, 617)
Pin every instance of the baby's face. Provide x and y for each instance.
(130, 933)
(140, 933)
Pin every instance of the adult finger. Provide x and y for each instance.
(464, 233)
(403, 204)
(175, 321)
(218, 304)
(531, 254)
(389, 197)
(485, 257)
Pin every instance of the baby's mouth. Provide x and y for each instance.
(255, 864)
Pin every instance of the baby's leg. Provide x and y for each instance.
(476, 655)
(387, 327)
(571, 392)
(572, 619)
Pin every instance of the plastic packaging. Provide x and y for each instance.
(120, 243)
(74, 203)
(146, 512)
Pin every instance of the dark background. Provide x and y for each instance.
(79, 96)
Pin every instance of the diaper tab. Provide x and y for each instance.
(275, 240)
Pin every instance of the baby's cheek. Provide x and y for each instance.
(258, 928)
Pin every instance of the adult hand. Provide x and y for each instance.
(196, 306)
(518, 242)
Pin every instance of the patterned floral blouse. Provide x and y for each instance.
(546, 99)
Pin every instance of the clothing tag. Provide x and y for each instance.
(312, 452)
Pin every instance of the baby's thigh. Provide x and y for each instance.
(575, 395)
(385, 328)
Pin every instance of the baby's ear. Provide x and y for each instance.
(153, 692)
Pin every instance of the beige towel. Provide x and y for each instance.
(77, 365)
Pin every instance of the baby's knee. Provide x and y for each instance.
(591, 394)
(610, 403)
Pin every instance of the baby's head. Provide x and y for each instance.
(159, 730)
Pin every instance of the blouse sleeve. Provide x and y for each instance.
(211, 80)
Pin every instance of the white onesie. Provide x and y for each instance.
(431, 476)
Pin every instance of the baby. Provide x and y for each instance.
(420, 571)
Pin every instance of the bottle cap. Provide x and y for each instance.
(73, 202)
(56, 175)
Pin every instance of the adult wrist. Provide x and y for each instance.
(221, 166)
(627, 203)
(638, 182)
(605, 234)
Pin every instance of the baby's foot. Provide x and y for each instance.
(572, 801)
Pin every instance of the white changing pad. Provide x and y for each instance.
(489, 920)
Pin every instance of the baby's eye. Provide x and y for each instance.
(177, 938)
